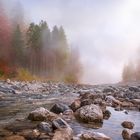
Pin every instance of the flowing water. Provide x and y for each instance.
(13, 107)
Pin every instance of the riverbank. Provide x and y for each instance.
(18, 99)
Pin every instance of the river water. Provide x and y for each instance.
(14, 107)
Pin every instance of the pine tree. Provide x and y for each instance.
(18, 47)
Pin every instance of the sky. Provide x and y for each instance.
(106, 32)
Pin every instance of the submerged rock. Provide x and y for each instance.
(94, 136)
(89, 113)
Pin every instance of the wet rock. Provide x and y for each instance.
(29, 134)
(41, 114)
(134, 89)
(59, 108)
(136, 101)
(126, 104)
(94, 136)
(106, 90)
(86, 102)
(112, 101)
(126, 134)
(135, 136)
(59, 123)
(44, 127)
(63, 134)
(4, 133)
(75, 105)
(89, 113)
(128, 124)
(14, 137)
(106, 114)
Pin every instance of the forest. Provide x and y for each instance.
(31, 49)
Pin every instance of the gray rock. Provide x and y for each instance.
(44, 127)
(59, 123)
(135, 136)
(59, 108)
(89, 113)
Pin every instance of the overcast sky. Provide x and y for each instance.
(107, 32)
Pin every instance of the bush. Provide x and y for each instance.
(25, 75)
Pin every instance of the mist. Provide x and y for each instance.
(105, 32)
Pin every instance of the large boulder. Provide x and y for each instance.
(135, 136)
(59, 108)
(126, 134)
(94, 136)
(128, 124)
(89, 113)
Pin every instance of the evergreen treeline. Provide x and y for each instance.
(39, 50)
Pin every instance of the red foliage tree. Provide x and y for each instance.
(5, 42)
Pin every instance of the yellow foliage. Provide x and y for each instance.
(25, 75)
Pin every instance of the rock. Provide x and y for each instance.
(136, 101)
(45, 127)
(87, 102)
(106, 114)
(4, 133)
(29, 134)
(135, 136)
(59, 108)
(134, 89)
(126, 104)
(126, 134)
(106, 90)
(112, 101)
(14, 137)
(41, 114)
(75, 105)
(118, 108)
(59, 123)
(127, 124)
(63, 134)
(89, 113)
(94, 136)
